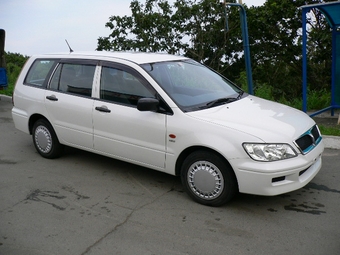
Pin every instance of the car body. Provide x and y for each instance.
(167, 113)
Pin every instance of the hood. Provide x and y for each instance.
(266, 120)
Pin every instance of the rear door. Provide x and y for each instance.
(122, 131)
(69, 102)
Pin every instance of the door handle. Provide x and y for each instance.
(102, 109)
(52, 98)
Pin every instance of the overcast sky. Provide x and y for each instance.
(41, 26)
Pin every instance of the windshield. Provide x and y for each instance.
(193, 86)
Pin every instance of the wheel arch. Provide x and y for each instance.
(33, 119)
(191, 149)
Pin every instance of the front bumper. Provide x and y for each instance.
(274, 178)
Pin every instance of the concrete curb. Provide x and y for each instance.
(5, 98)
(331, 142)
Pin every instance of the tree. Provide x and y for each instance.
(276, 47)
(148, 29)
(196, 29)
(14, 64)
(319, 52)
(189, 27)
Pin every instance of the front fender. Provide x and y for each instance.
(197, 133)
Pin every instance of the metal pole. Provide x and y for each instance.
(244, 28)
(334, 65)
(304, 60)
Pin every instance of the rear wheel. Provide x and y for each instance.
(45, 140)
(208, 178)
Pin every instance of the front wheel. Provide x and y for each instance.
(208, 178)
(45, 140)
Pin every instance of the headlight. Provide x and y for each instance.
(269, 152)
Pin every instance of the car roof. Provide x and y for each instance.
(136, 57)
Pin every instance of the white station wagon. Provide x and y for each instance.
(171, 114)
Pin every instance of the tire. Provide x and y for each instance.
(45, 140)
(208, 178)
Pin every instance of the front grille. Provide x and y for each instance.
(309, 140)
(304, 142)
(315, 132)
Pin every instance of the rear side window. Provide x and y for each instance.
(39, 72)
(74, 79)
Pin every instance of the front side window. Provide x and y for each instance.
(39, 72)
(74, 79)
(123, 86)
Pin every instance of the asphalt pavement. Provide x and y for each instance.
(84, 203)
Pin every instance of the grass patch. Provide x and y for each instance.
(316, 100)
(8, 91)
(326, 130)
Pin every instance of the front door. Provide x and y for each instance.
(122, 131)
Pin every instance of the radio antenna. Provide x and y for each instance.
(69, 46)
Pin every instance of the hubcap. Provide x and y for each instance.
(43, 139)
(205, 180)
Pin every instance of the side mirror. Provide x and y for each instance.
(147, 104)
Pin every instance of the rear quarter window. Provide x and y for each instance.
(39, 72)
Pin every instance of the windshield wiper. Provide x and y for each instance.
(240, 95)
(223, 100)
